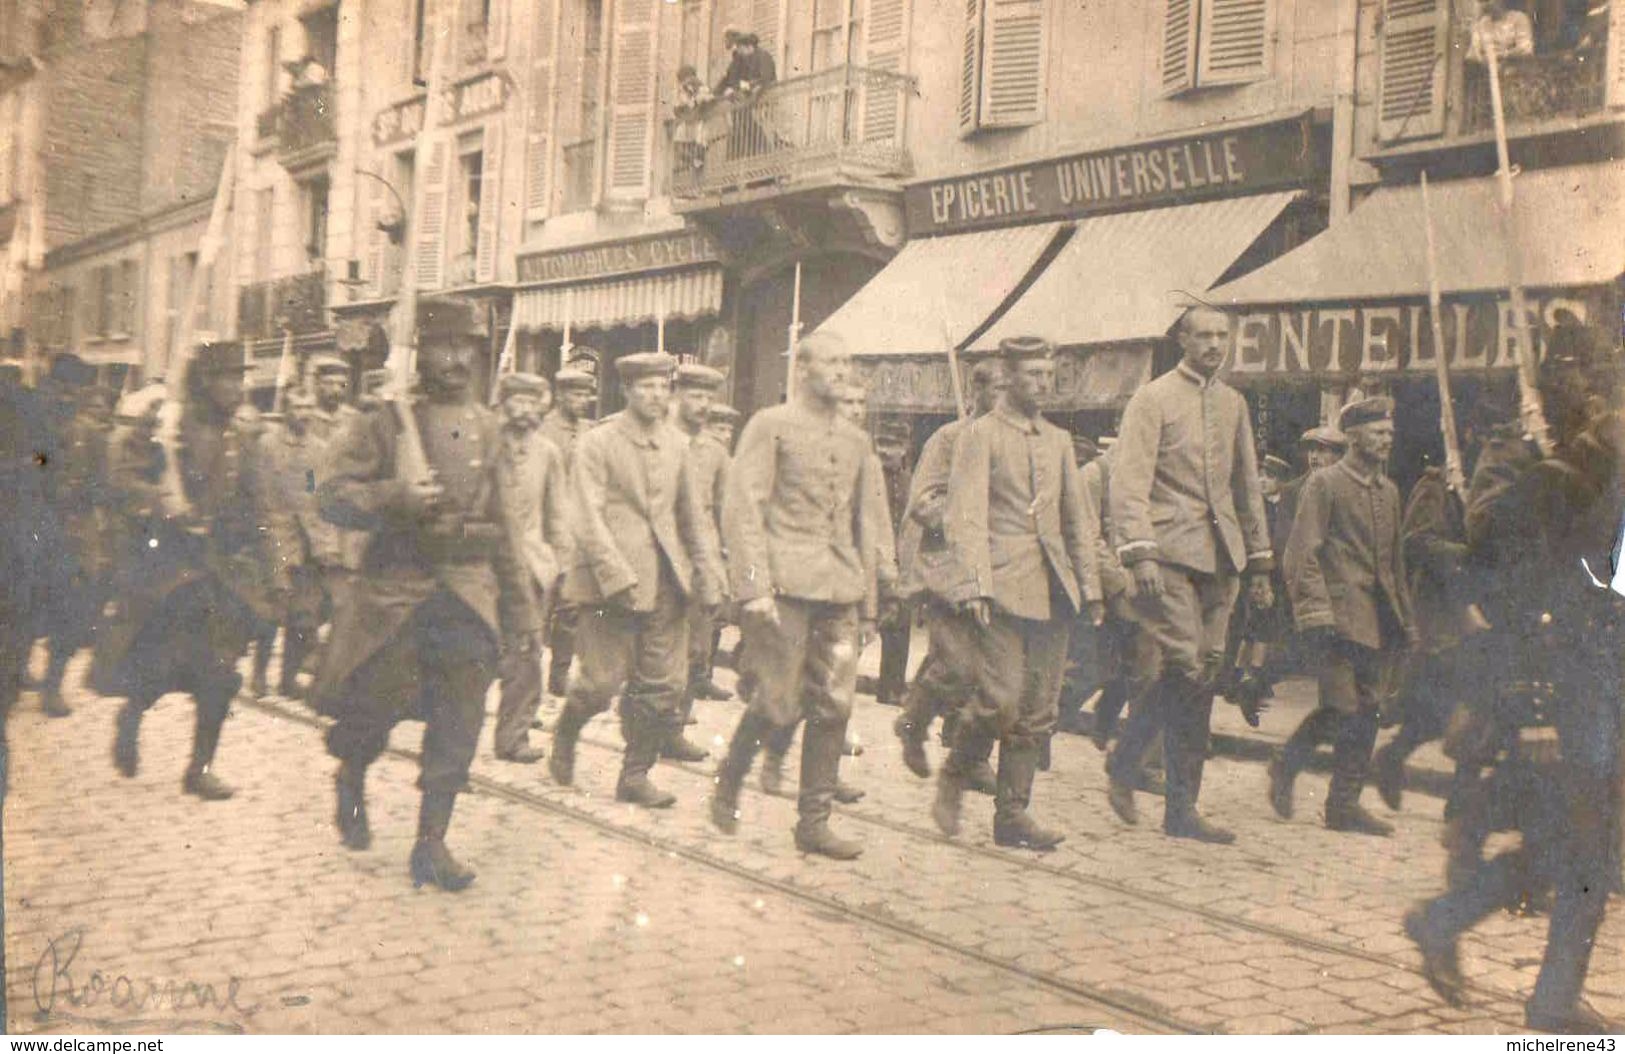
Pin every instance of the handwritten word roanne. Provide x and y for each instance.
(59, 983)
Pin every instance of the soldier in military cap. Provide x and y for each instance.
(645, 549)
(205, 583)
(721, 422)
(893, 440)
(535, 487)
(575, 395)
(416, 636)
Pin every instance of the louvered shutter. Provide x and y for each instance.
(1237, 38)
(1013, 61)
(1179, 46)
(539, 131)
(1616, 54)
(631, 100)
(376, 239)
(885, 28)
(970, 68)
(766, 18)
(1414, 48)
(496, 30)
(429, 265)
(485, 252)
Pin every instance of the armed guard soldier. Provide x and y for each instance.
(206, 582)
(1022, 541)
(1186, 505)
(575, 393)
(1345, 573)
(892, 441)
(415, 637)
(1543, 533)
(645, 550)
(534, 487)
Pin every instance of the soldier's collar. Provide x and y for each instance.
(1016, 419)
(1347, 465)
(1184, 370)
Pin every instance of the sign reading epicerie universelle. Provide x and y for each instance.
(1218, 164)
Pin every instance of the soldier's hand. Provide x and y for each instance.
(979, 610)
(1148, 578)
(1097, 612)
(425, 496)
(866, 633)
(1260, 594)
(761, 608)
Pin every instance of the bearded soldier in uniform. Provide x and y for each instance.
(416, 635)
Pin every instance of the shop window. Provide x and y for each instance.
(1003, 59)
(1207, 43)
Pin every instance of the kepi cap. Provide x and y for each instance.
(1276, 466)
(328, 364)
(220, 356)
(721, 413)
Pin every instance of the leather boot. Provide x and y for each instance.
(912, 737)
(1388, 773)
(1441, 965)
(1351, 760)
(127, 739)
(260, 687)
(199, 781)
(51, 694)
(645, 733)
(747, 740)
(772, 778)
(354, 830)
(978, 772)
(821, 746)
(676, 746)
(562, 764)
(1012, 825)
(950, 792)
(1185, 732)
(432, 863)
(296, 648)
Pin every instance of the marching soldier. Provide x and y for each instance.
(205, 582)
(1345, 574)
(533, 484)
(416, 635)
(1022, 540)
(645, 550)
(799, 532)
(720, 424)
(1186, 505)
(289, 457)
(576, 392)
(892, 441)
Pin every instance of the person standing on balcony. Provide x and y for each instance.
(750, 69)
(688, 133)
(1503, 28)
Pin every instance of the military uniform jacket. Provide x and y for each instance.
(469, 552)
(636, 507)
(1185, 487)
(797, 517)
(710, 461)
(563, 434)
(1345, 562)
(922, 547)
(1017, 521)
(883, 557)
(534, 488)
(1096, 477)
(1435, 559)
(288, 465)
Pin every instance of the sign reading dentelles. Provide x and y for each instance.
(1220, 164)
(657, 252)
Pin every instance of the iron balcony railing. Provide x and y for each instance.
(297, 302)
(843, 121)
(302, 123)
(1535, 88)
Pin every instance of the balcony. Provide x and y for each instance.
(301, 126)
(829, 128)
(298, 302)
(1536, 89)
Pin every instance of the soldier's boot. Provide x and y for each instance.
(127, 737)
(1441, 964)
(211, 718)
(775, 748)
(1185, 733)
(1013, 826)
(350, 784)
(562, 764)
(297, 644)
(677, 746)
(1282, 779)
(558, 667)
(735, 765)
(910, 727)
(1388, 773)
(645, 733)
(1351, 760)
(260, 686)
(978, 773)
(847, 794)
(821, 746)
(431, 862)
(1577, 1019)
(950, 790)
(51, 690)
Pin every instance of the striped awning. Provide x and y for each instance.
(691, 293)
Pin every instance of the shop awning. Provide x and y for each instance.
(938, 289)
(1121, 277)
(687, 294)
(1568, 221)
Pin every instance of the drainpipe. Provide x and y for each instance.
(1344, 88)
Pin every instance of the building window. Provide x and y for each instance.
(476, 30)
(465, 216)
(592, 50)
(420, 54)
(314, 194)
(1003, 63)
(124, 298)
(273, 66)
(1206, 43)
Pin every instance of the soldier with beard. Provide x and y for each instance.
(576, 392)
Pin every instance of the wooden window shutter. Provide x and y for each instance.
(970, 68)
(766, 18)
(885, 46)
(1237, 37)
(430, 263)
(1413, 51)
(632, 89)
(1179, 47)
(496, 30)
(376, 239)
(1013, 58)
(1616, 54)
(485, 252)
(539, 129)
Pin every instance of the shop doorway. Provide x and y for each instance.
(827, 282)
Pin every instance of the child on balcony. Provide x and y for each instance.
(688, 133)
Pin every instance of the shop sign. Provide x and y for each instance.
(1349, 341)
(397, 123)
(658, 252)
(481, 95)
(1095, 379)
(1174, 171)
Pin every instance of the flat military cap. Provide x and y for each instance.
(1276, 466)
(328, 364)
(70, 370)
(521, 384)
(693, 375)
(644, 364)
(894, 430)
(1366, 411)
(1017, 348)
(1324, 436)
(572, 379)
(584, 358)
(376, 378)
(449, 318)
(220, 356)
(722, 412)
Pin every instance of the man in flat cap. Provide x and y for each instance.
(645, 549)
(750, 69)
(1345, 572)
(799, 532)
(575, 395)
(206, 583)
(535, 490)
(721, 422)
(893, 439)
(1322, 447)
(1189, 515)
(1023, 542)
(416, 637)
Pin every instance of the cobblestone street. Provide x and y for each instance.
(591, 916)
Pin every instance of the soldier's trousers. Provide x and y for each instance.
(435, 669)
(1018, 666)
(520, 670)
(561, 645)
(946, 677)
(894, 644)
(702, 641)
(643, 652)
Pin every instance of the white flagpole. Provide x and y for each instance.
(1454, 473)
(660, 317)
(795, 336)
(569, 306)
